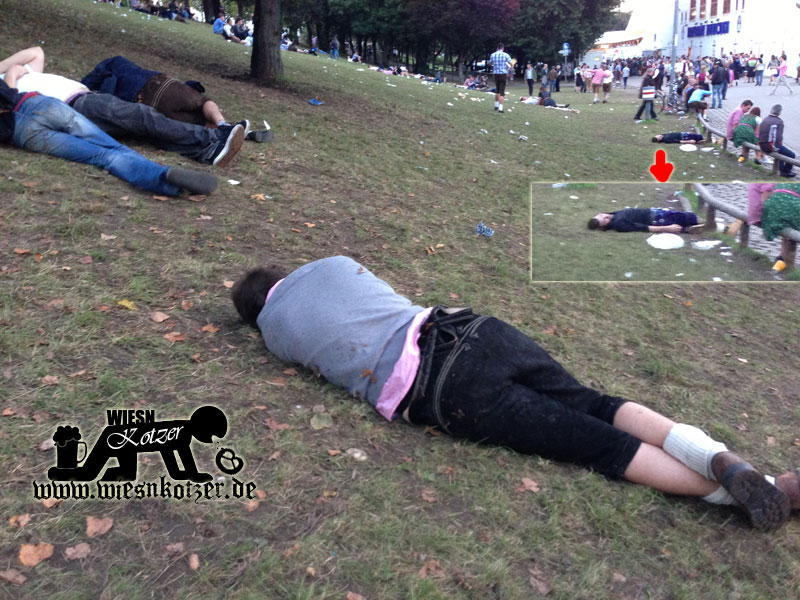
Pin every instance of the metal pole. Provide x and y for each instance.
(673, 80)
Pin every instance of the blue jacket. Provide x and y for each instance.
(119, 77)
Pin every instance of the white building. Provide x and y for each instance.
(705, 28)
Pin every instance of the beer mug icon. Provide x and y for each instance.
(67, 442)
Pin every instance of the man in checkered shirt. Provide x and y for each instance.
(501, 65)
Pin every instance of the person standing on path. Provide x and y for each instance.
(529, 78)
(782, 78)
(501, 64)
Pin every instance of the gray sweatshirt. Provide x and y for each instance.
(335, 317)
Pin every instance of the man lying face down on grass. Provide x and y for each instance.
(477, 377)
(654, 220)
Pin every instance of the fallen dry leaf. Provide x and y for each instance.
(196, 198)
(550, 330)
(19, 520)
(429, 495)
(97, 526)
(539, 581)
(296, 230)
(334, 452)
(618, 578)
(13, 576)
(261, 494)
(51, 502)
(161, 198)
(209, 328)
(278, 381)
(49, 380)
(354, 596)
(30, 184)
(275, 455)
(251, 505)
(38, 257)
(46, 445)
(126, 304)
(527, 485)
(107, 237)
(86, 260)
(21, 251)
(228, 284)
(432, 567)
(174, 336)
(291, 371)
(311, 571)
(194, 562)
(158, 316)
(186, 304)
(275, 426)
(9, 412)
(80, 373)
(31, 555)
(175, 548)
(770, 440)
(742, 360)
(309, 225)
(78, 551)
(688, 303)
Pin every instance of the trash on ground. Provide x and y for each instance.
(482, 229)
(706, 244)
(665, 241)
(688, 147)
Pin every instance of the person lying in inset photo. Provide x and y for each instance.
(654, 220)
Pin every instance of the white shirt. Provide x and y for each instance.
(48, 84)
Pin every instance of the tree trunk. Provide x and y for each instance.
(240, 6)
(265, 63)
(208, 10)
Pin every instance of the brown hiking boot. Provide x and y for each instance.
(766, 504)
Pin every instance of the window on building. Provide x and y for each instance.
(726, 6)
(702, 9)
(713, 11)
(693, 9)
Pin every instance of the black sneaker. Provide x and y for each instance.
(246, 124)
(789, 174)
(195, 182)
(230, 147)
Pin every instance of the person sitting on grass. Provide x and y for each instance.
(43, 124)
(678, 137)
(479, 378)
(654, 220)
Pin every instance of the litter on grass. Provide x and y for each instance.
(315, 102)
(482, 229)
(688, 147)
(665, 241)
(706, 244)
(559, 185)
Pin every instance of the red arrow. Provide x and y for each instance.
(661, 169)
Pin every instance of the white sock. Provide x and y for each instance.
(496, 103)
(501, 108)
(719, 496)
(693, 448)
(222, 122)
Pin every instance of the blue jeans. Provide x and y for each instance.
(785, 167)
(484, 380)
(552, 86)
(759, 77)
(49, 126)
(119, 118)
(334, 53)
(716, 95)
(724, 91)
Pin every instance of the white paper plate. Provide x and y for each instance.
(665, 241)
(688, 147)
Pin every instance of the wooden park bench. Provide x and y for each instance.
(747, 146)
(712, 205)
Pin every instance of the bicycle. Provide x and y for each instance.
(669, 103)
